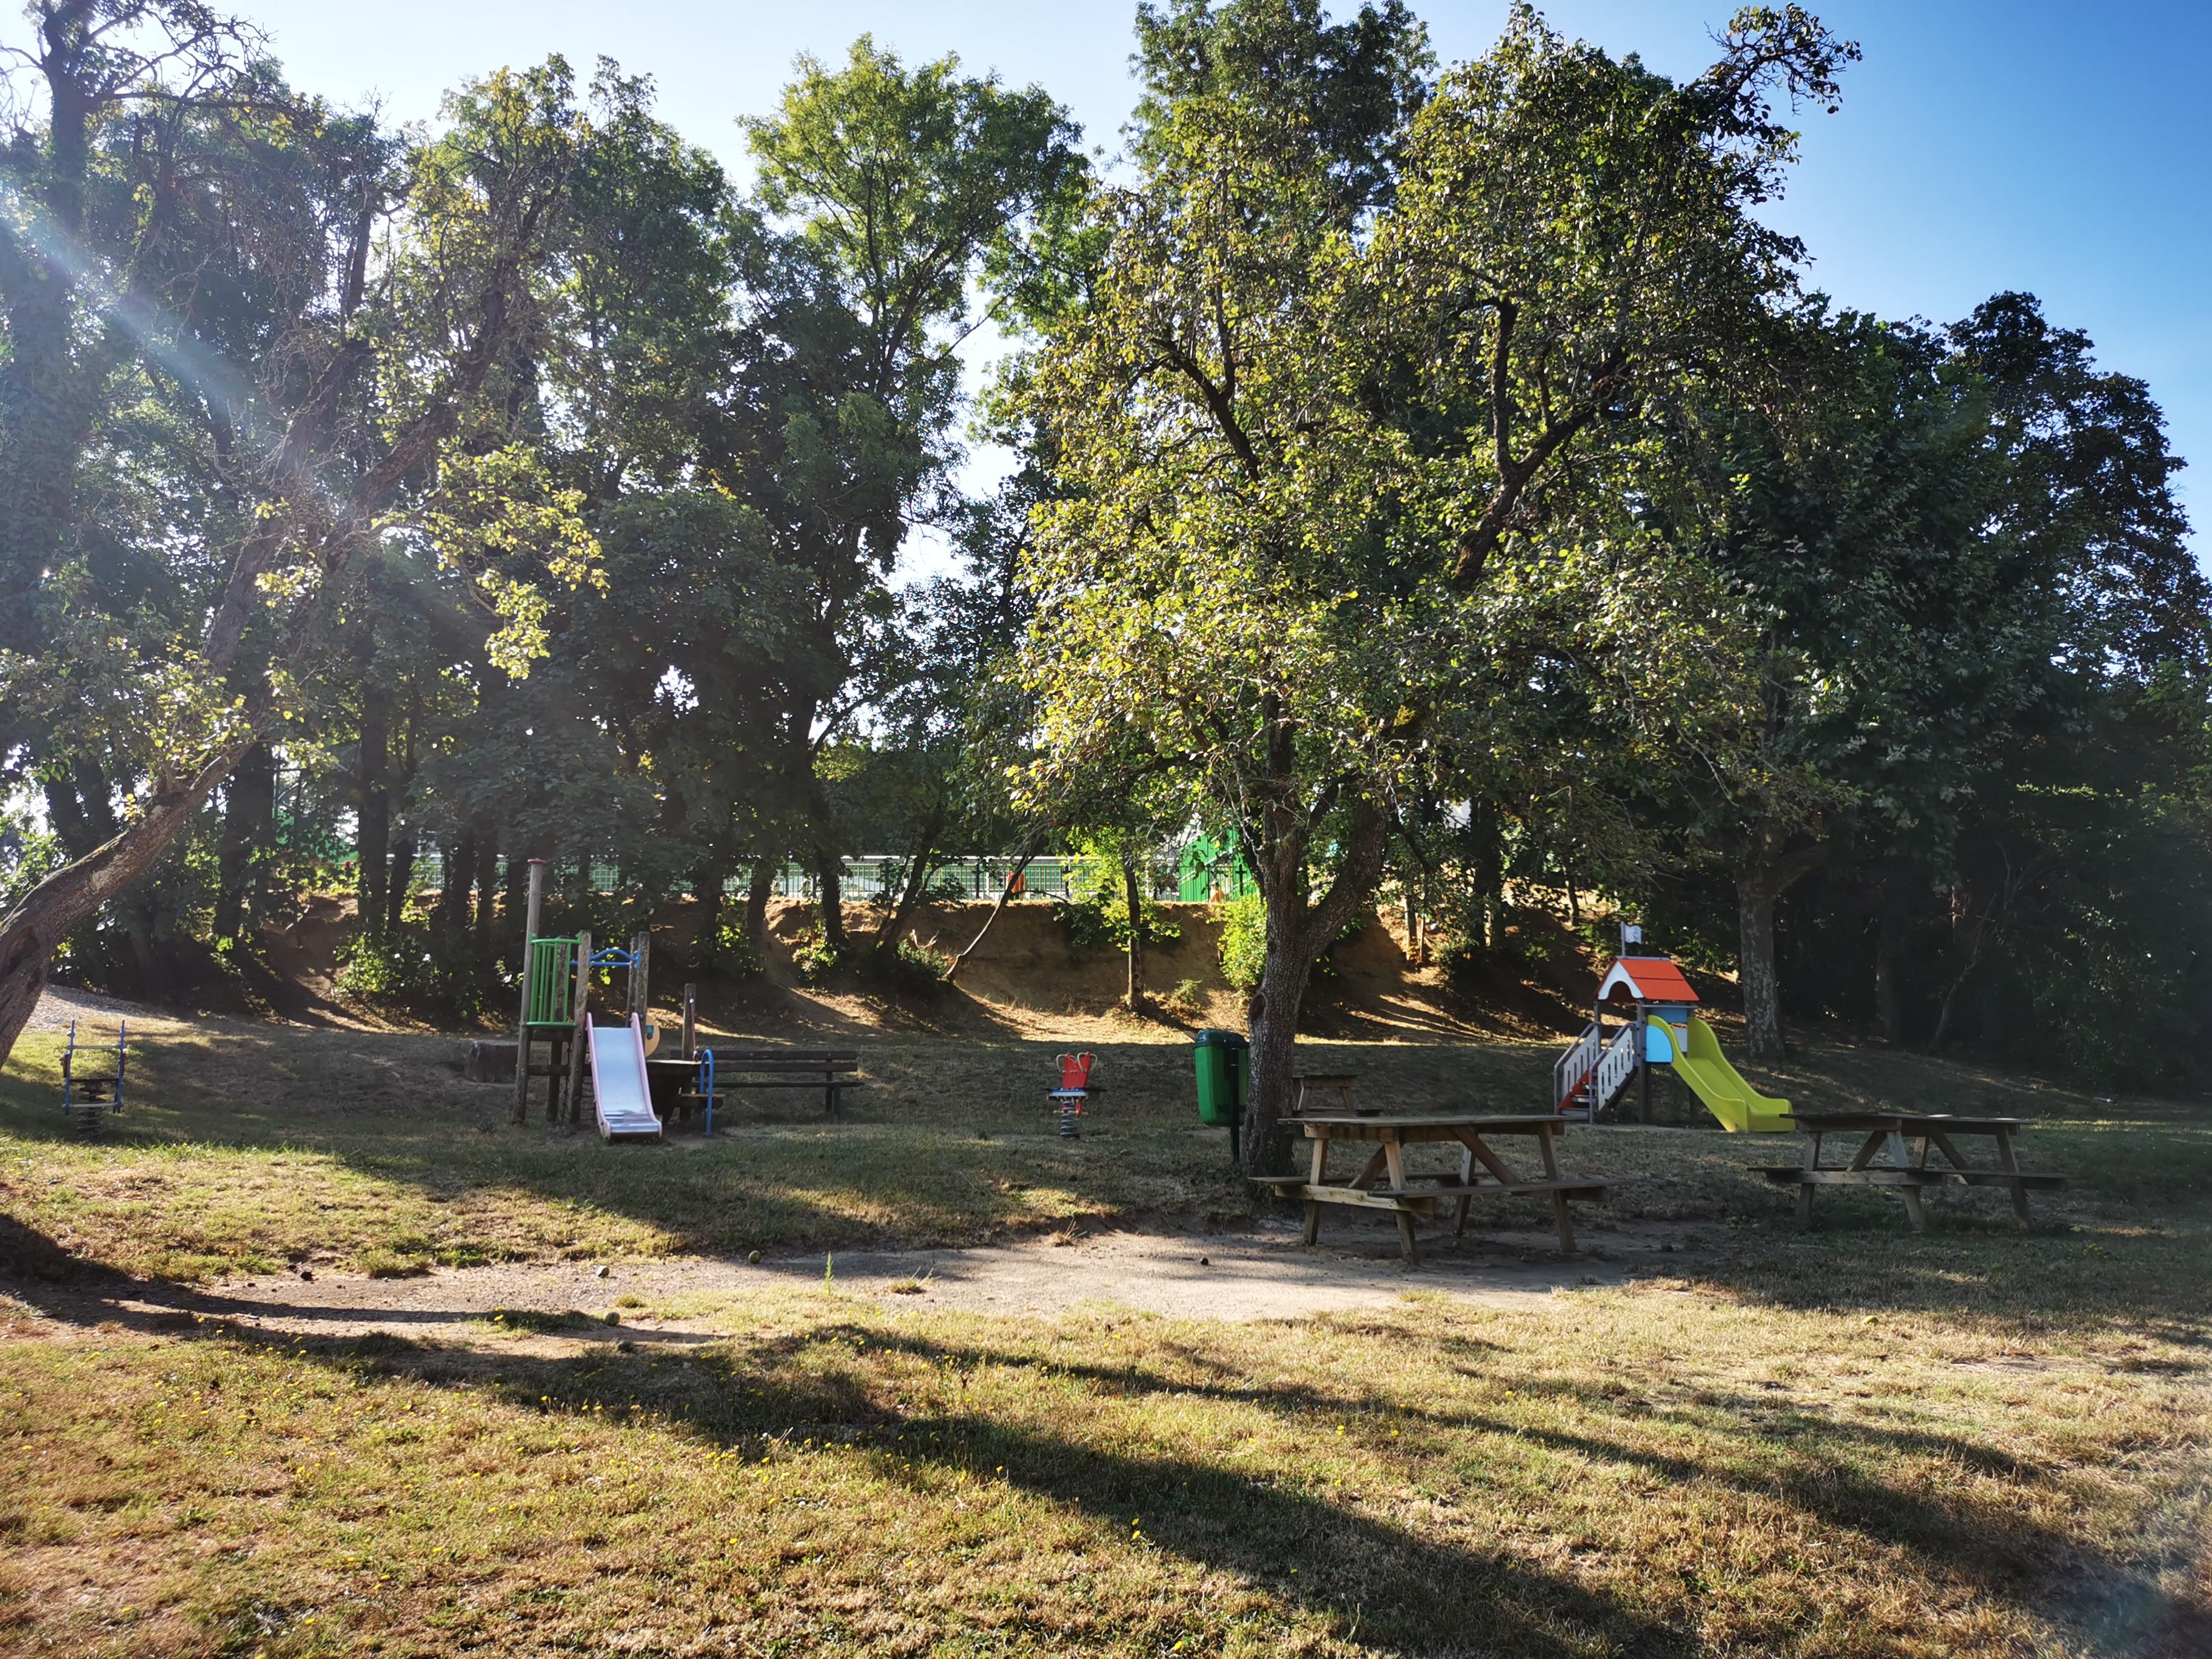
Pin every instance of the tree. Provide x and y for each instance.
(361, 390)
(1313, 440)
(898, 189)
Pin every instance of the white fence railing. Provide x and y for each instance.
(1607, 1068)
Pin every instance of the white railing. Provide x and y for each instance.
(1571, 1067)
(1608, 1069)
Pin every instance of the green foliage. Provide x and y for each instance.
(731, 952)
(420, 967)
(814, 958)
(1096, 915)
(1243, 940)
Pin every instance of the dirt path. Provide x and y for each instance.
(1263, 1273)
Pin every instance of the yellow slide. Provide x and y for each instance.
(1739, 1107)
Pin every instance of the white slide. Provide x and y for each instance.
(619, 1094)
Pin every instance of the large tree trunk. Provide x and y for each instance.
(401, 885)
(708, 877)
(884, 952)
(249, 826)
(760, 887)
(1888, 948)
(33, 930)
(1970, 932)
(487, 880)
(1763, 873)
(829, 895)
(1298, 931)
(372, 809)
(457, 857)
(1755, 896)
(1134, 997)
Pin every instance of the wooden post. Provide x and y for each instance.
(691, 1021)
(522, 1020)
(580, 1036)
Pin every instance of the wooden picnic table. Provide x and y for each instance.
(1481, 1169)
(1908, 1136)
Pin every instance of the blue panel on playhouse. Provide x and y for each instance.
(1660, 1034)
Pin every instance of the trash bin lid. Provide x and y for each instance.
(1210, 1038)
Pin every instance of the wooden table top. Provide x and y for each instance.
(1399, 1122)
(1906, 1122)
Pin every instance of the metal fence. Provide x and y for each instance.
(880, 877)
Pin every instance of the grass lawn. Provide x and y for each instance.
(1854, 1442)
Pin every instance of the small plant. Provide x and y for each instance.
(814, 957)
(1186, 1000)
(393, 1264)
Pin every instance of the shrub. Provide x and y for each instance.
(1243, 940)
(417, 966)
(814, 957)
(731, 952)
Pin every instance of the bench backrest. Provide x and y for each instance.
(727, 1057)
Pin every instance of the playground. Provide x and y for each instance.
(318, 1351)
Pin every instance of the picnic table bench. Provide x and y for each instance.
(1481, 1172)
(827, 1069)
(1907, 1137)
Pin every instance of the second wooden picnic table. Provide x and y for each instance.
(1907, 1137)
(1482, 1169)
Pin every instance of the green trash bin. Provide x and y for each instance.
(1222, 1061)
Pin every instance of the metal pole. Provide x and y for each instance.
(640, 948)
(1643, 1067)
(522, 1020)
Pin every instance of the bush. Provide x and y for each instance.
(1186, 1000)
(1100, 919)
(730, 952)
(1243, 940)
(814, 957)
(418, 967)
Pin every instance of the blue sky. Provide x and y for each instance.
(1983, 145)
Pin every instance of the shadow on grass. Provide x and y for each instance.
(1408, 1594)
(758, 1394)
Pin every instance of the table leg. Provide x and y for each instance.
(1804, 1206)
(1405, 1236)
(1318, 1172)
(1313, 1220)
(1914, 1208)
(1395, 1155)
(1565, 1223)
(1483, 1155)
(2010, 1165)
(1466, 1179)
(1546, 1149)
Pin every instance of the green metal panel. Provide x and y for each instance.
(552, 982)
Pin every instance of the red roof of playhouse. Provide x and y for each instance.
(1648, 979)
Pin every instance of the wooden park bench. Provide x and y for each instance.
(1384, 1183)
(828, 1070)
(1907, 1137)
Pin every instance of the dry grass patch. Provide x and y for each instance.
(1646, 1472)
